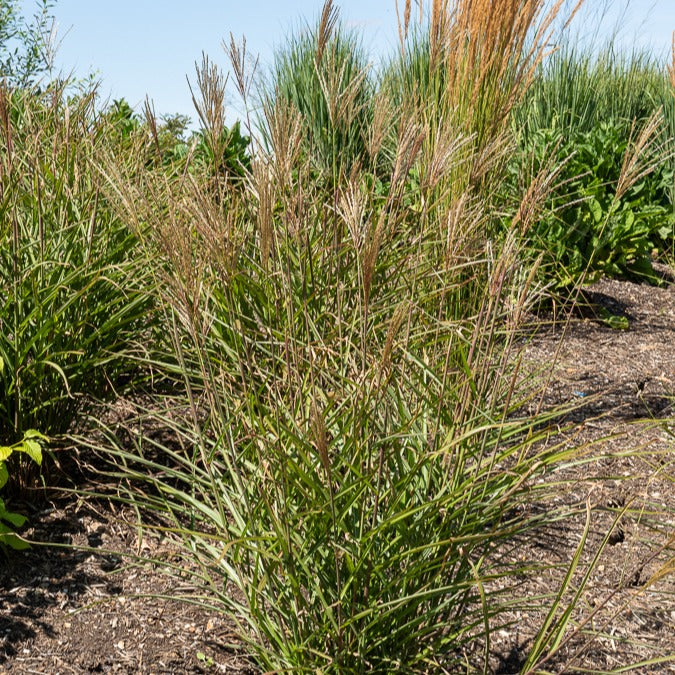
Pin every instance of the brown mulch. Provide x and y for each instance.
(620, 386)
(83, 607)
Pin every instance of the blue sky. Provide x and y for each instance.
(139, 47)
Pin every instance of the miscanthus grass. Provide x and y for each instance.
(73, 306)
(348, 451)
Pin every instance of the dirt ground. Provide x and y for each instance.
(88, 610)
(622, 386)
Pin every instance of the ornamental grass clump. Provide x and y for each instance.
(575, 89)
(324, 74)
(472, 61)
(345, 472)
(347, 455)
(73, 306)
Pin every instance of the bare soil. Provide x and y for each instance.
(87, 610)
(79, 605)
(620, 385)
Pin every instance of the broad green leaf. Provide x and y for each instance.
(32, 433)
(617, 322)
(596, 210)
(665, 231)
(15, 519)
(12, 540)
(5, 452)
(32, 449)
(4, 477)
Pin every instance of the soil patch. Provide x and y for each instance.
(88, 610)
(620, 385)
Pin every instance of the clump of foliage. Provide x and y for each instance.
(196, 152)
(29, 445)
(124, 123)
(601, 125)
(598, 220)
(73, 306)
(10, 521)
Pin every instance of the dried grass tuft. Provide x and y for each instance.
(210, 104)
(327, 24)
(487, 52)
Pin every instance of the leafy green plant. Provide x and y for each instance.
(206, 661)
(196, 153)
(30, 446)
(583, 110)
(124, 122)
(25, 50)
(9, 521)
(595, 222)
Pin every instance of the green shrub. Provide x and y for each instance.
(590, 224)
(24, 47)
(582, 110)
(234, 160)
(123, 123)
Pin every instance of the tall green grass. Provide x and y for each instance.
(73, 307)
(344, 453)
(576, 89)
(323, 73)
